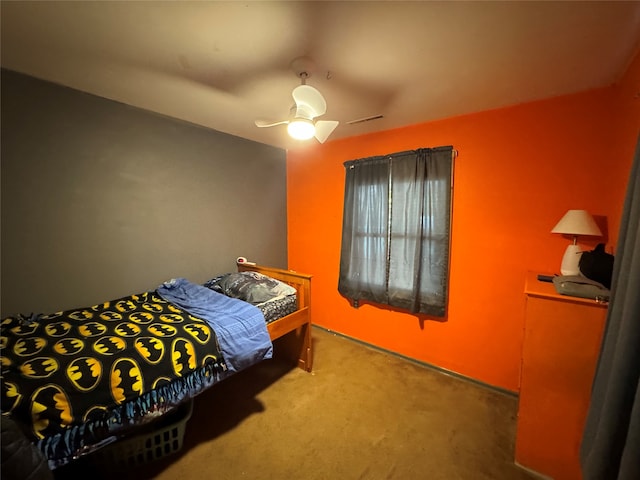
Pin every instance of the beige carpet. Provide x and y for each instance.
(361, 414)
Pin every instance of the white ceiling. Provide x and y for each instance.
(225, 64)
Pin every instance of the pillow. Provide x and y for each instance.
(252, 287)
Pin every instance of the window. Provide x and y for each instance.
(395, 230)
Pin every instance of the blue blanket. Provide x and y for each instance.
(240, 327)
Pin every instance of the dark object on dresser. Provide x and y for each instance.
(597, 265)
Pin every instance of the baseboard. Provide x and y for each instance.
(538, 475)
(431, 366)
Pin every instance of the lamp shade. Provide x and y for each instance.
(577, 222)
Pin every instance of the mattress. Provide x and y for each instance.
(278, 307)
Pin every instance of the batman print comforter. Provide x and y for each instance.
(77, 378)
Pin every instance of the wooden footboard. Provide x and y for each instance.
(294, 330)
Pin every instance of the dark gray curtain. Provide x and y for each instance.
(611, 442)
(395, 232)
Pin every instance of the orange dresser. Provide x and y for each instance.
(559, 354)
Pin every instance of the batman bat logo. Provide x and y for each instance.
(81, 315)
(26, 329)
(150, 348)
(92, 329)
(11, 396)
(40, 367)
(3, 341)
(162, 330)
(108, 316)
(7, 322)
(156, 299)
(85, 373)
(174, 309)
(127, 329)
(109, 345)
(152, 307)
(51, 316)
(125, 306)
(196, 319)
(209, 359)
(183, 356)
(50, 410)
(200, 332)
(141, 317)
(94, 413)
(126, 380)
(160, 381)
(143, 297)
(68, 346)
(26, 347)
(101, 306)
(57, 329)
(171, 318)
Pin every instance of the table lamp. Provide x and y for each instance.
(575, 222)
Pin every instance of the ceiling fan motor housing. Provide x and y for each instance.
(301, 112)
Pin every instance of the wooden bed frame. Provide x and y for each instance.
(293, 332)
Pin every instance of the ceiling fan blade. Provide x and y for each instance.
(324, 129)
(311, 98)
(266, 123)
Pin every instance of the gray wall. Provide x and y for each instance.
(101, 200)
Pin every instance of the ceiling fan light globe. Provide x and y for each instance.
(301, 129)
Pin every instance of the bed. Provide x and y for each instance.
(82, 379)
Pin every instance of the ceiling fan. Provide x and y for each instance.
(302, 123)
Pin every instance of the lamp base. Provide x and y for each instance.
(570, 260)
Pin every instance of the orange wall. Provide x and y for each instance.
(626, 130)
(519, 169)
